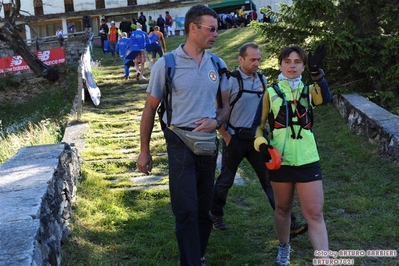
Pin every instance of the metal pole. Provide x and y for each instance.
(80, 88)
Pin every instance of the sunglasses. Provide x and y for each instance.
(211, 28)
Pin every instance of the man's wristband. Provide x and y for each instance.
(218, 123)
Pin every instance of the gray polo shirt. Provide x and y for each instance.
(194, 87)
(244, 109)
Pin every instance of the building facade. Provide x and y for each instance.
(45, 16)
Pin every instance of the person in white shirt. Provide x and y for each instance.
(60, 35)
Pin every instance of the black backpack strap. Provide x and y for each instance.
(278, 91)
(236, 74)
(288, 111)
(260, 75)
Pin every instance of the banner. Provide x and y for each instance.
(16, 63)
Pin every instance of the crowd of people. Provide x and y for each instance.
(133, 40)
(241, 18)
(268, 125)
(139, 31)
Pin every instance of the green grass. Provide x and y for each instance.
(37, 120)
(134, 227)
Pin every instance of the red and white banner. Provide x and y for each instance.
(15, 63)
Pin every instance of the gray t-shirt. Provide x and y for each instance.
(194, 88)
(244, 109)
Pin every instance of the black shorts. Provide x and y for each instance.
(304, 173)
(157, 51)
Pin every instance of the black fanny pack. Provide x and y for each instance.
(244, 133)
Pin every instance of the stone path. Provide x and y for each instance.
(113, 103)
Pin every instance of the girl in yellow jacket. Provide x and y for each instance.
(288, 108)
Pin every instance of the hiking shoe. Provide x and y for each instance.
(203, 262)
(142, 77)
(283, 255)
(138, 76)
(297, 228)
(218, 223)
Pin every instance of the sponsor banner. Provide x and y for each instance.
(16, 63)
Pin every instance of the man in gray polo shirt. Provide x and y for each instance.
(194, 92)
(238, 137)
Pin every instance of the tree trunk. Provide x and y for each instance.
(10, 38)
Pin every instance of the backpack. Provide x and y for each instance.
(285, 115)
(236, 74)
(166, 103)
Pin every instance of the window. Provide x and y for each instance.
(78, 23)
(69, 6)
(38, 5)
(7, 10)
(45, 29)
(100, 4)
(131, 2)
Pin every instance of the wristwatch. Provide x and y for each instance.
(218, 123)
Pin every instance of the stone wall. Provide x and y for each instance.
(367, 118)
(37, 188)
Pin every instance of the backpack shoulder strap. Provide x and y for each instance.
(260, 75)
(278, 91)
(236, 74)
(221, 71)
(169, 73)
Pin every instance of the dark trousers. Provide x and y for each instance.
(232, 156)
(112, 46)
(162, 29)
(191, 180)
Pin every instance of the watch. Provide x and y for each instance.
(218, 123)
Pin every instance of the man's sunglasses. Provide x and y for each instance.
(211, 28)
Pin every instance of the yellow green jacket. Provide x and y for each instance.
(295, 151)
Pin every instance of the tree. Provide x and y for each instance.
(10, 38)
(362, 36)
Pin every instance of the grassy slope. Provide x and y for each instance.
(128, 227)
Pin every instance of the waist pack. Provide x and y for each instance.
(244, 133)
(201, 143)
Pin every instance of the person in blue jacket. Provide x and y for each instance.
(139, 39)
(121, 49)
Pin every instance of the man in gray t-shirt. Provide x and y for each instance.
(194, 93)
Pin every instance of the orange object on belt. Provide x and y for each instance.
(275, 163)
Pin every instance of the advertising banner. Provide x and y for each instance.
(15, 63)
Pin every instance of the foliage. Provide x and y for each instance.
(362, 37)
(10, 37)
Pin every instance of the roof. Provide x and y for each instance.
(227, 6)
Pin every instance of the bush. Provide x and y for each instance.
(362, 37)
